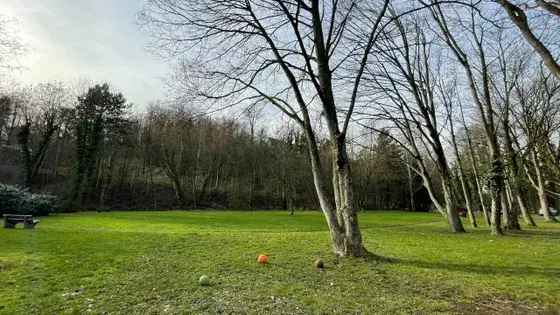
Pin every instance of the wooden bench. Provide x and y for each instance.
(10, 221)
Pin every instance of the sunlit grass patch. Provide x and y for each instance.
(150, 262)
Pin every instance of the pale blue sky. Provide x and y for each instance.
(95, 40)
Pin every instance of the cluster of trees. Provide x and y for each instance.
(89, 148)
(456, 84)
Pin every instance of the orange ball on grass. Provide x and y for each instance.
(262, 259)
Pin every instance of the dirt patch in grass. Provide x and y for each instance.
(494, 305)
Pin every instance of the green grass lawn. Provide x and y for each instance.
(149, 263)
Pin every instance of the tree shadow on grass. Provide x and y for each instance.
(550, 234)
(371, 257)
(551, 272)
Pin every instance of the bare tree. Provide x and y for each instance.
(291, 54)
(537, 115)
(448, 94)
(480, 90)
(43, 110)
(474, 163)
(403, 83)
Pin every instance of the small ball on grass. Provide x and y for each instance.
(319, 264)
(204, 280)
(262, 259)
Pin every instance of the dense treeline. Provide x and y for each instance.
(170, 157)
(102, 156)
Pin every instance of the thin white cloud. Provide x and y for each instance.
(98, 40)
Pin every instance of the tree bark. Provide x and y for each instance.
(452, 216)
(496, 192)
(336, 232)
(346, 206)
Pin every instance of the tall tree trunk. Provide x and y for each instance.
(511, 221)
(467, 196)
(346, 205)
(27, 163)
(341, 218)
(474, 165)
(496, 192)
(179, 192)
(464, 187)
(108, 182)
(526, 215)
(451, 207)
(336, 232)
(410, 188)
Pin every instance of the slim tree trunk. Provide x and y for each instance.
(410, 188)
(464, 187)
(511, 215)
(467, 196)
(27, 163)
(427, 183)
(515, 190)
(541, 190)
(526, 215)
(496, 193)
(474, 165)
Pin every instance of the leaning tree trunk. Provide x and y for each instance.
(513, 181)
(526, 215)
(427, 183)
(516, 198)
(410, 189)
(451, 208)
(464, 186)
(541, 190)
(474, 165)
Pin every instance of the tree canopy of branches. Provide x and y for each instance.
(290, 54)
